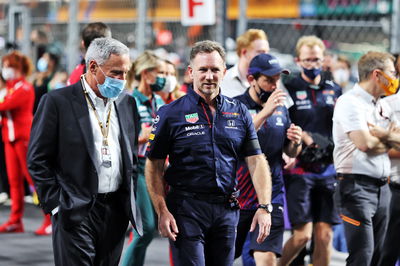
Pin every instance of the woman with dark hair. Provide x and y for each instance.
(16, 109)
(47, 67)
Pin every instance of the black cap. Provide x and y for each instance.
(267, 65)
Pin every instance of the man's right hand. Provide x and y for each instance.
(263, 219)
(277, 98)
(167, 225)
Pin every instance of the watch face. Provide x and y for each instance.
(268, 207)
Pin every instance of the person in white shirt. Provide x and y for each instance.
(363, 134)
(248, 45)
(83, 159)
(391, 251)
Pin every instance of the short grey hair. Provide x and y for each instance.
(101, 49)
(371, 61)
(208, 47)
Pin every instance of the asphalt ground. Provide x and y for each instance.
(29, 249)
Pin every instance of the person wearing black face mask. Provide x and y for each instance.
(310, 184)
(276, 134)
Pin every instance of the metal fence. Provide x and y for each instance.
(349, 27)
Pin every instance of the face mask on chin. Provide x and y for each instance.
(112, 87)
(391, 86)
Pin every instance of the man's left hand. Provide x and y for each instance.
(263, 219)
(294, 133)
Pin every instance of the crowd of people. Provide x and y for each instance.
(213, 164)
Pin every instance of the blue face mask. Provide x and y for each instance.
(42, 65)
(111, 88)
(312, 73)
(59, 85)
(159, 84)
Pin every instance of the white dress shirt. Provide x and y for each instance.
(232, 85)
(393, 102)
(109, 178)
(352, 112)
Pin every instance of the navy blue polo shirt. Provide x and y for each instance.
(313, 104)
(272, 139)
(203, 149)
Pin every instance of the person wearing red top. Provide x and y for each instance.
(16, 111)
(90, 32)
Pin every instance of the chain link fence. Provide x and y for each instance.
(349, 27)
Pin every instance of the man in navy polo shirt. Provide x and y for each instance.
(311, 184)
(204, 133)
(275, 134)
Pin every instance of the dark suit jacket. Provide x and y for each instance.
(61, 155)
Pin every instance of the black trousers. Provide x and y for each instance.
(364, 208)
(97, 240)
(391, 250)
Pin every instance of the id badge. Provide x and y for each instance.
(106, 156)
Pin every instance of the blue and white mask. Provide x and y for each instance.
(112, 87)
(42, 65)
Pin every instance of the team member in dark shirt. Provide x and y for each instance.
(204, 133)
(311, 184)
(276, 134)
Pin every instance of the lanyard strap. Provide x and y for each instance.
(104, 129)
(205, 112)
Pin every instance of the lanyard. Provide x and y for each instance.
(104, 129)
(153, 106)
(205, 112)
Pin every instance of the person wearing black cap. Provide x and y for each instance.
(276, 134)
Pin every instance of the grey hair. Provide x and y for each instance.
(100, 50)
(371, 61)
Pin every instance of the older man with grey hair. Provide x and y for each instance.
(83, 156)
(363, 133)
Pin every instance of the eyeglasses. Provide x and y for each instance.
(390, 73)
(393, 74)
(312, 60)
